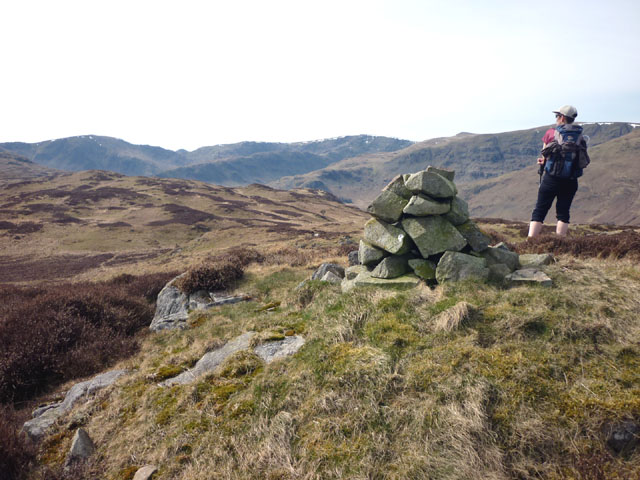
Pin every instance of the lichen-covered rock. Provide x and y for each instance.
(423, 268)
(528, 260)
(82, 447)
(397, 186)
(353, 258)
(431, 184)
(271, 351)
(421, 205)
(211, 360)
(448, 174)
(387, 237)
(45, 417)
(455, 266)
(405, 281)
(331, 277)
(498, 273)
(459, 212)
(528, 276)
(476, 239)
(433, 235)
(370, 255)
(322, 270)
(391, 267)
(501, 255)
(387, 206)
(353, 271)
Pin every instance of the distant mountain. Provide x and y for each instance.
(473, 157)
(91, 152)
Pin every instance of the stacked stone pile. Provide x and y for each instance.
(421, 230)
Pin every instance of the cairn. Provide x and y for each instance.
(421, 230)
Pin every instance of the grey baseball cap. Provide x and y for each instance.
(567, 111)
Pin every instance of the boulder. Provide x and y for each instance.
(448, 174)
(173, 305)
(498, 273)
(501, 255)
(528, 260)
(322, 270)
(44, 417)
(387, 237)
(423, 268)
(145, 473)
(352, 272)
(433, 235)
(391, 267)
(271, 351)
(431, 184)
(528, 276)
(331, 278)
(387, 206)
(397, 186)
(82, 447)
(369, 255)
(353, 258)
(476, 239)
(421, 205)
(405, 281)
(455, 266)
(459, 212)
(211, 360)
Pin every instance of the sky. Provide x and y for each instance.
(182, 75)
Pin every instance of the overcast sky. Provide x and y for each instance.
(194, 73)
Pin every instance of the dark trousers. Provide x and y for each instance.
(562, 189)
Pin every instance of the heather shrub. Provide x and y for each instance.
(603, 245)
(219, 273)
(246, 255)
(17, 452)
(51, 334)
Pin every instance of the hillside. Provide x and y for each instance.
(15, 168)
(473, 157)
(94, 223)
(241, 160)
(609, 190)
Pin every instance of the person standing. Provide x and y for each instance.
(562, 148)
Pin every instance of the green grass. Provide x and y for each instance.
(520, 390)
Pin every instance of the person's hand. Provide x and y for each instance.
(540, 160)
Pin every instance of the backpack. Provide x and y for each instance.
(567, 154)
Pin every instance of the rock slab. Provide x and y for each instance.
(145, 473)
(433, 235)
(455, 266)
(386, 237)
(271, 351)
(528, 276)
(46, 416)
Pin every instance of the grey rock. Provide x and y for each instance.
(397, 186)
(352, 272)
(211, 360)
(387, 237)
(495, 255)
(528, 276)
(476, 239)
(433, 235)
(459, 212)
(347, 284)
(36, 427)
(331, 278)
(421, 205)
(353, 257)
(498, 273)
(455, 266)
(387, 206)
(334, 268)
(368, 254)
(528, 260)
(431, 184)
(173, 306)
(391, 267)
(42, 409)
(82, 447)
(405, 281)
(624, 437)
(448, 174)
(423, 268)
(271, 351)
(145, 473)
